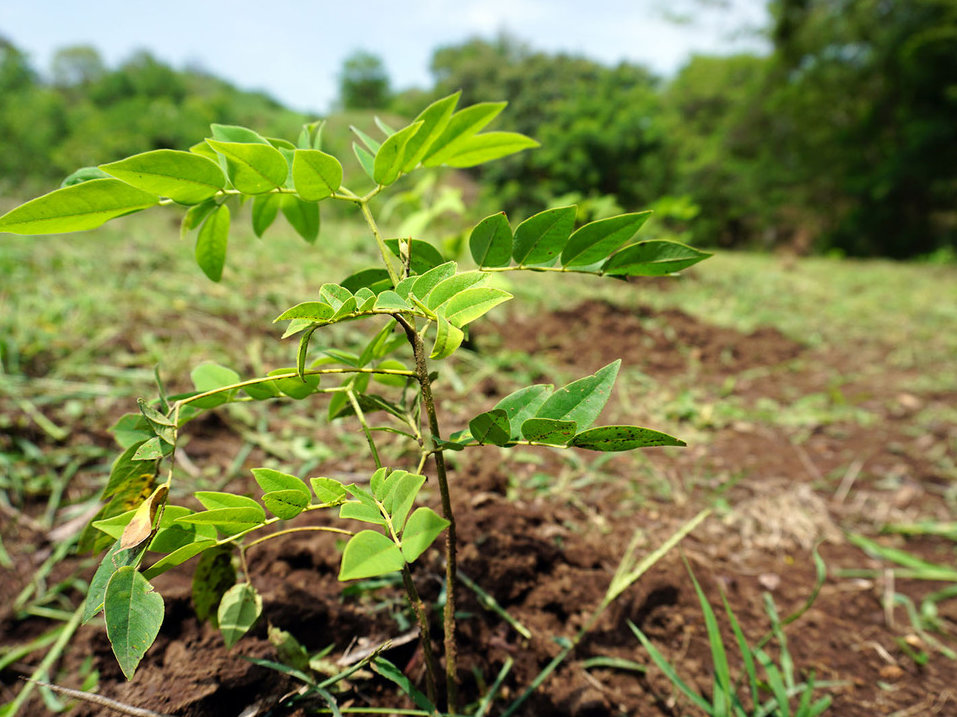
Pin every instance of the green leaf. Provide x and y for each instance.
(238, 611)
(652, 258)
(374, 279)
(265, 209)
(523, 404)
(228, 520)
(213, 577)
(194, 217)
(468, 305)
(303, 216)
(334, 295)
(622, 438)
(485, 147)
(114, 525)
(150, 450)
(402, 490)
(209, 377)
(491, 427)
(309, 310)
(327, 490)
(286, 504)
(491, 241)
(253, 168)
(371, 144)
(366, 160)
(461, 127)
(390, 157)
(171, 535)
(293, 386)
(211, 243)
(358, 510)
(365, 299)
(262, 391)
(270, 480)
(182, 176)
(393, 673)
(76, 208)
(369, 554)
(541, 237)
(423, 256)
(424, 526)
(456, 284)
(179, 556)
(390, 301)
(595, 241)
(204, 150)
(581, 401)
(391, 379)
(549, 430)
(447, 338)
(669, 671)
(215, 499)
(317, 175)
(235, 133)
(434, 119)
(134, 613)
(115, 559)
(424, 283)
(377, 480)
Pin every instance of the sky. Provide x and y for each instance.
(294, 49)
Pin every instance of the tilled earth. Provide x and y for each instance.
(544, 534)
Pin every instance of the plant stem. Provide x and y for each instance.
(451, 571)
(387, 256)
(422, 617)
(365, 426)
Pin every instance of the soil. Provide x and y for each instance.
(547, 551)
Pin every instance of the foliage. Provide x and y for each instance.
(414, 295)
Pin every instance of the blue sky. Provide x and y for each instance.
(294, 49)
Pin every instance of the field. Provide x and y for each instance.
(818, 399)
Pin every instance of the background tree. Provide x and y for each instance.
(364, 82)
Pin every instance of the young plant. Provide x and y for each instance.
(418, 305)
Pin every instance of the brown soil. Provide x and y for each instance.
(547, 552)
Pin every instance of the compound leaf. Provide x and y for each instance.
(422, 255)
(622, 438)
(369, 554)
(366, 160)
(401, 495)
(210, 377)
(446, 289)
(213, 577)
(595, 241)
(424, 526)
(76, 208)
(424, 283)
(238, 611)
(318, 311)
(327, 490)
(236, 133)
(542, 237)
(657, 257)
(316, 174)
(293, 386)
(179, 556)
(184, 177)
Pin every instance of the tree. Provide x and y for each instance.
(364, 82)
(77, 66)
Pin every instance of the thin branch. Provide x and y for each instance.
(95, 699)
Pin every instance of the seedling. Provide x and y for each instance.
(418, 305)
